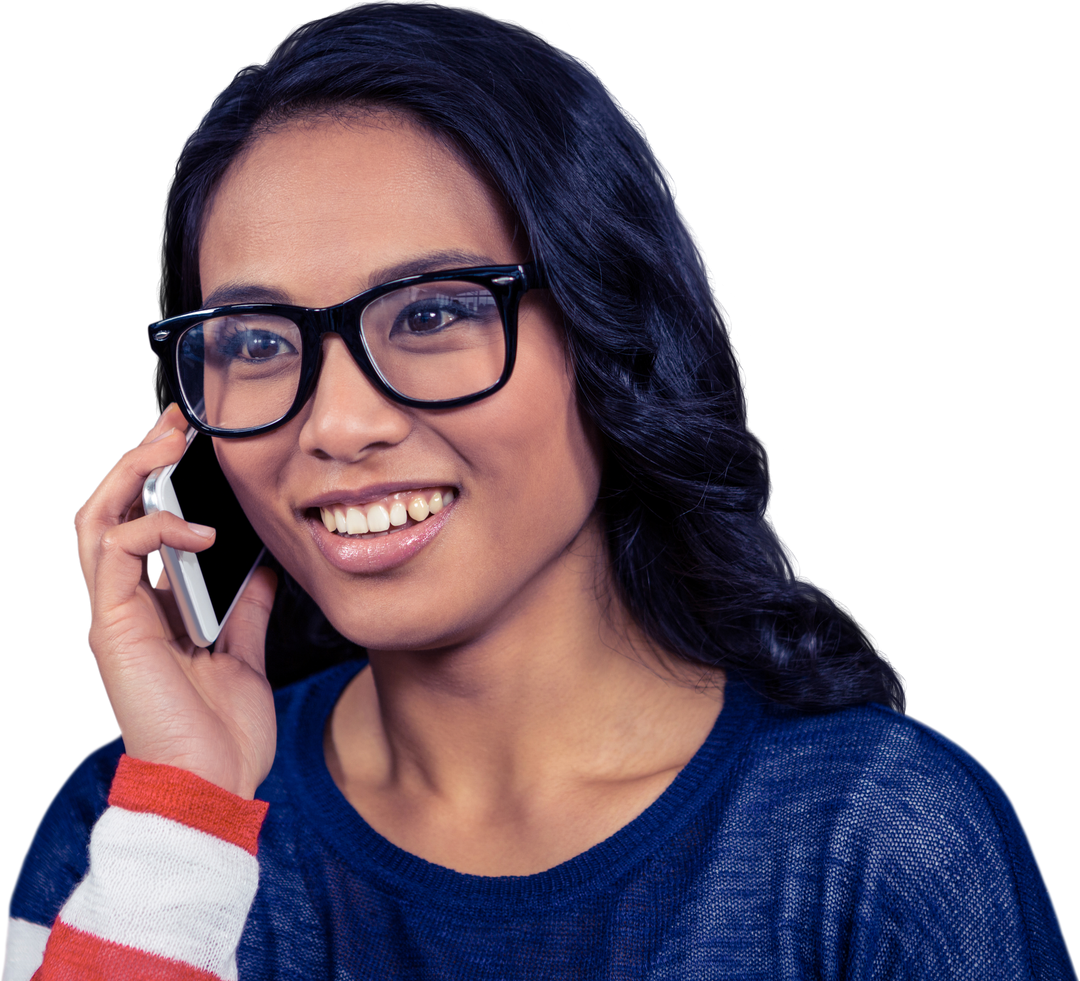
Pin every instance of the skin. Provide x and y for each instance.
(512, 715)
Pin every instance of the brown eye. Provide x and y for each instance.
(259, 345)
(251, 340)
(428, 317)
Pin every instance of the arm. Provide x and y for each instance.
(171, 879)
(200, 723)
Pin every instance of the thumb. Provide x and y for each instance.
(244, 635)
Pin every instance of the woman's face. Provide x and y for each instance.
(314, 213)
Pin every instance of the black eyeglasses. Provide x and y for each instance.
(436, 340)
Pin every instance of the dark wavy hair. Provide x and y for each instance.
(684, 484)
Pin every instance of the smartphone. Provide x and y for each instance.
(207, 584)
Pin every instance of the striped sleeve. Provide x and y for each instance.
(25, 948)
(172, 875)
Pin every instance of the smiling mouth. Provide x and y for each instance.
(394, 512)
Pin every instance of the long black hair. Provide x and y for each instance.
(684, 485)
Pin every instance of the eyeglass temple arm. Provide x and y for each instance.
(534, 278)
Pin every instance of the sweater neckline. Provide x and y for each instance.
(329, 815)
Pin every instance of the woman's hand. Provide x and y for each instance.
(211, 714)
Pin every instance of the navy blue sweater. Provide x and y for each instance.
(854, 844)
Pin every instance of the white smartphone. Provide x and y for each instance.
(207, 584)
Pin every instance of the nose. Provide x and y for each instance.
(347, 418)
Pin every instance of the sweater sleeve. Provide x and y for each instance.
(172, 873)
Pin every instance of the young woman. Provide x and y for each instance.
(492, 432)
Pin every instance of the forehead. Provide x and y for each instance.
(317, 207)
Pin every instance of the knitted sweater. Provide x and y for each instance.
(852, 844)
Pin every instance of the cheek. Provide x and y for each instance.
(254, 468)
(547, 457)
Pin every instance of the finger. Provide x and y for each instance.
(122, 472)
(117, 493)
(244, 635)
(170, 418)
(123, 547)
(163, 593)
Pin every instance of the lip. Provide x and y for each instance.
(381, 553)
(367, 495)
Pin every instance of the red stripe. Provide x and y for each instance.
(72, 955)
(155, 788)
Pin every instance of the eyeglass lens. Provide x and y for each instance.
(431, 342)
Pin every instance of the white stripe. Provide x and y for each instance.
(165, 888)
(25, 947)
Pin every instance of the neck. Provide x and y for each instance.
(560, 692)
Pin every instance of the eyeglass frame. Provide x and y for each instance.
(507, 284)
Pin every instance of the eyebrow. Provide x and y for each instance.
(430, 262)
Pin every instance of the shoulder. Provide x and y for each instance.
(866, 765)
(883, 784)
(883, 772)
(57, 859)
(898, 840)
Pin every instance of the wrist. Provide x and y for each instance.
(182, 796)
(172, 875)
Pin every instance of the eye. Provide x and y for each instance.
(250, 340)
(260, 345)
(431, 318)
(428, 316)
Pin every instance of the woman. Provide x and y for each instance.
(601, 730)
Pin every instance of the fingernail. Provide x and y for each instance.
(165, 411)
(203, 531)
(168, 432)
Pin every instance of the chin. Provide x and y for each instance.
(413, 623)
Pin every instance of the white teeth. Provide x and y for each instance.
(380, 517)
